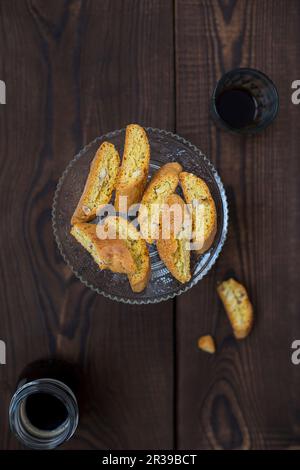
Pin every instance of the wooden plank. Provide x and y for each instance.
(246, 395)
(75, 70)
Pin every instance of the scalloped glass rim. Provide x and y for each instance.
(195, 278)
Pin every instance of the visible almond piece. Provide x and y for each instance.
(86, 210)
(207, 344)
(102, 174)
(136, 173)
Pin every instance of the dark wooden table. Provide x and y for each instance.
(75, 70)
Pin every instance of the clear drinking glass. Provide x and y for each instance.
(244, 101)
(43, 412)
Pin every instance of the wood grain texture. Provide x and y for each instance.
(246, 395)
(75, 70)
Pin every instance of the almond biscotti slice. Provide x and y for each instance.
(135, 166)
(162, 185)
(196, 193)
(111, 254)
(175, 218)
(238, 307)
(174, 249)
(120, 227)
(100, 183)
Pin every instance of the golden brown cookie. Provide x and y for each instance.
(135, 166)
(174, 251)
(161, 186)
(100, 183)
(112, 254)
(238, 307)
(207, 344)
(196, 193)
(137, 247)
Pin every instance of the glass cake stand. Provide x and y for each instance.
(165, 147)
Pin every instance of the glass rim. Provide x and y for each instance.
(30, 435)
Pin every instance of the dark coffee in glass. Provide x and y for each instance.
(43, 411)
(244, 101)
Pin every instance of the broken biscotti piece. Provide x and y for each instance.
(162, 185)
(100, 183)
(238, 307)
(135, 166)
(207, 344)
(204, 212)
(109, 254)
(174, 250)
(121, 228)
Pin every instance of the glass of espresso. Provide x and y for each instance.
(43, 412)
(244, 101)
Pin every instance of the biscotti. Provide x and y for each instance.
(196, 193)
(238, 307)
(207, 344)
(174, 248)
(112, 254)
(162, 185)
(120, 227)
(100, 183)
(135, 167)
